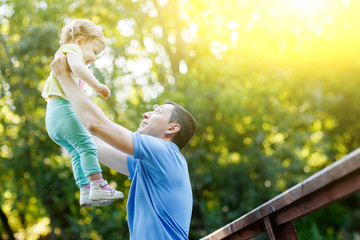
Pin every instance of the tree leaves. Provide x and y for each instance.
(273, 92)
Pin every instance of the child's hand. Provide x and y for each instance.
(103, 90)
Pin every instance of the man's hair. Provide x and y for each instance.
(187, 125)
(80, 27)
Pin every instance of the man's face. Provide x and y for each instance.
(156, 123)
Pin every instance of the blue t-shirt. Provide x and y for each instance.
(160, 199)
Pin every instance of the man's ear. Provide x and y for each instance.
(174, 128)
(79, 40)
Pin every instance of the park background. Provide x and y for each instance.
(273, 84)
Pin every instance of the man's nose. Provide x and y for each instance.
(146, 115)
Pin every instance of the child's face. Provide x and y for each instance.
(91, 49)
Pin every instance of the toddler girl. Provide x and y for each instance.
(81, 41)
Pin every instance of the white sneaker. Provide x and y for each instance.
(85, 200)
(97, 193)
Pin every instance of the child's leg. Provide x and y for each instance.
(68, 127)
(85, 146)
(81, 140)
(79, 175)
(57, 112)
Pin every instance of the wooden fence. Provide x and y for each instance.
(275, 217)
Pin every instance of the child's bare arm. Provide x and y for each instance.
(80, 70)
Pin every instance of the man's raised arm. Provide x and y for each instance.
(89, 113)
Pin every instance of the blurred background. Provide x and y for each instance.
(273, 84)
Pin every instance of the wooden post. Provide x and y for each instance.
(285, 231)
(269, 228)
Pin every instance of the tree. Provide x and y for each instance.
(272, 86)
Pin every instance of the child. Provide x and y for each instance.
(81, 41)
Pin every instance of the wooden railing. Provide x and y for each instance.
(275, 217)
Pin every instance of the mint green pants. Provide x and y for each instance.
(65, 129)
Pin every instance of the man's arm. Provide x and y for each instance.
(112, 157)
(89, 113)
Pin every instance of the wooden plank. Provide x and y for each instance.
(322, 179)
(319, 180)
(334, 192)
(236, 225)
(252, 230)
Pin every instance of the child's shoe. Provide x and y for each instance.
(85, 200)
(98, 191)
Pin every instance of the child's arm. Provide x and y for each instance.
(80, 70)
(89, 113)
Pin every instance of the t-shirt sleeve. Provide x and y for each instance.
(152, 152)
(73, 49)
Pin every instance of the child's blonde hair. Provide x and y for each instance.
(80, 27)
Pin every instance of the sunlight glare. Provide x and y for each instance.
(305, 6)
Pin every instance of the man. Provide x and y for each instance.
(160, 198)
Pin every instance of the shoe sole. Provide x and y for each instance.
(97, 198)
(96, 204)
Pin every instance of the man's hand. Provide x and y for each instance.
(60, 68)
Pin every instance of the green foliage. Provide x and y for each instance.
(274, 94)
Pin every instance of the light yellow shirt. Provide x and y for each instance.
(52, 86)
